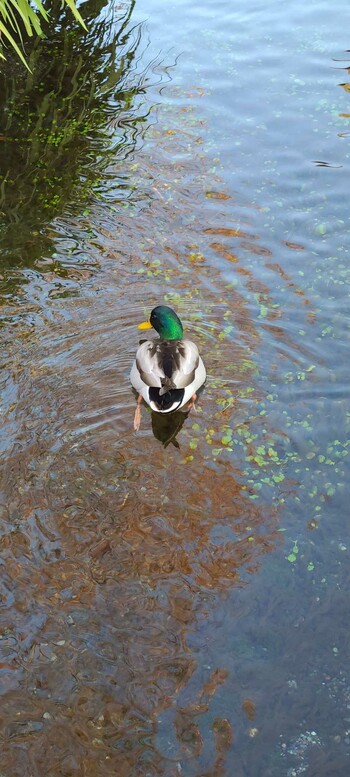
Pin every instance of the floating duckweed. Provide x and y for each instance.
(292, 557)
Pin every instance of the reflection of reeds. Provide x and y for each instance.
(58, 121)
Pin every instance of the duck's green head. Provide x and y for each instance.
(165, 321)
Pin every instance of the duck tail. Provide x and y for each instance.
(167, 385)
(171, 398)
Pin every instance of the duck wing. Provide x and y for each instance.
(185, 363)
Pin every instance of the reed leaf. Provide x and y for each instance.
(24, 16)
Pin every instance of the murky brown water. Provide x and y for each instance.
(174, 602)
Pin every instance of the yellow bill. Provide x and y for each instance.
(145, 325)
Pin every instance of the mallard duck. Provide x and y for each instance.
(168, 371)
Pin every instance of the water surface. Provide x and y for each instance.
(174, 602)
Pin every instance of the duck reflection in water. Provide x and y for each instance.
(166, 427)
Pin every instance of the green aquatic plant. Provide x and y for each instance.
(292, 556)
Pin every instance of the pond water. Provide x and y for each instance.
(175, 601)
